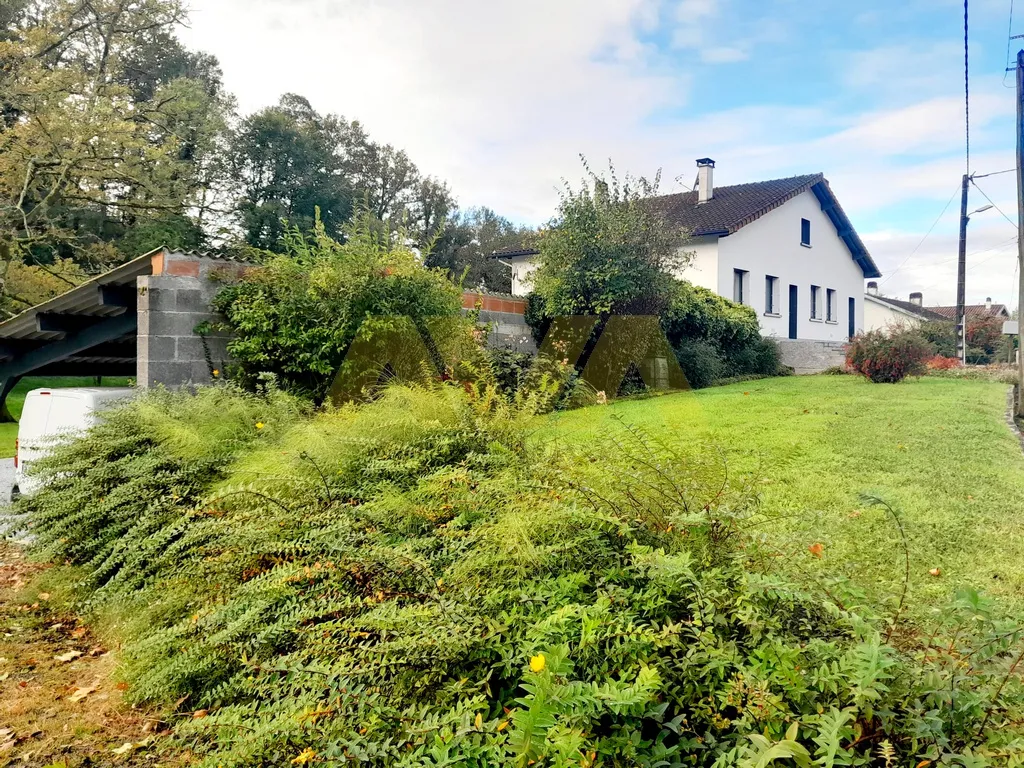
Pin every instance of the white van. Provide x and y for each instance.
(50, 414)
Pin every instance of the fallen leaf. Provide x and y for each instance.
(44, 596)
(935, 571)
(855, 514)
(69, 656)
(816, 549)
(81, 693)
(122, 686)
(80, 632)
(124, 749)
(199, 714)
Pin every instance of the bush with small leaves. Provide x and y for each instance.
(888, 357)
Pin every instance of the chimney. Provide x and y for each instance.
(988, 302)
(917, 298)
(705, 179)
(873, 288)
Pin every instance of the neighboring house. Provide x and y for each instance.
(882, 312)
(973, 311)
(784, 247)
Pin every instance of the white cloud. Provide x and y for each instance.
(499, 98)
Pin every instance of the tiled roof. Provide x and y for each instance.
(973, 310)
(732, 207)
(909, 306)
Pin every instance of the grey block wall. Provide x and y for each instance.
(171, 305)
(805, 356)
(508, 330)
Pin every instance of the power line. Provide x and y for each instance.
(918, 246)
(994, 173)
(1012, 223)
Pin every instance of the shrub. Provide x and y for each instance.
(608, 251)
(697, 313)
(701, 362)
(887, 357)
(409, 583)
(297, 315)
(941, 363)
(941, 334)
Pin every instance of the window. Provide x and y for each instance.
(805, 232)
(831, 309)
(815, 301)
(771, 295)
(739, 286)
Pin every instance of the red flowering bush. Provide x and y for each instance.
(941, 363)
(886, 357)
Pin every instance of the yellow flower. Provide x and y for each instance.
(305, 757)
(216, 372)
(260, 425)
(538, 662)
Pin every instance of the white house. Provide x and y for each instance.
(784, 247)
(882, 312)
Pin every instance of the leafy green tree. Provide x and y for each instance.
(465, 246)
(287, 161)
(608, 251)
(297, 316)
(86, 156)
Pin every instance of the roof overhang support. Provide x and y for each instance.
(74, 343)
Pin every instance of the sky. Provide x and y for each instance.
(500, 98)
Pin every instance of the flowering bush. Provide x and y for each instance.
(886, 357)
(941, 363)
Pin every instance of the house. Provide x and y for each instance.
(974, 311)
(882, 312)
(784, 247)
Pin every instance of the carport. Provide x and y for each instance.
(88, 331)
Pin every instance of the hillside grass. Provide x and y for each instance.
(938, 451)
(16, 400)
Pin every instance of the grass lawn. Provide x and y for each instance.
(939, 451)
(15, 401)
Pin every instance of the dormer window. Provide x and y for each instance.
(805, 232)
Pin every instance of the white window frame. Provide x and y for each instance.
(831, 307)
(815, 300)
(771, 296)
(740, 284)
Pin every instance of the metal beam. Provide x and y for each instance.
(125, 296)
(71, 368)
(105, 330)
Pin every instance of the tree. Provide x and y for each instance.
(85, 161)
(467, 242)
(608, 251)
(288, 161)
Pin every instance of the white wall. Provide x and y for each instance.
(522, 270)
(703, 267)
(879, 316)
(771, 246)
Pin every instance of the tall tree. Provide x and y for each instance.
(466, 245)
(92, 155)
(288, 161)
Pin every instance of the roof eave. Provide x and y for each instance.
(844, 228)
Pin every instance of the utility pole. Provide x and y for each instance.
(961, 276)
(1020, 229)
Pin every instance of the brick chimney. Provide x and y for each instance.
(705, 179)
(917, 298)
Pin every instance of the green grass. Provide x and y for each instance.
(16, 400)
(939, 451)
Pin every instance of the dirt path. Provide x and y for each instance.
(60, 705)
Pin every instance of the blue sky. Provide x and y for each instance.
(500, 98)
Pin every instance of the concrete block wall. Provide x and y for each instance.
(505, 315)
(172, 302)
(805, 356)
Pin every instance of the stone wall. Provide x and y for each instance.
(172, 302)
(805, 356)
